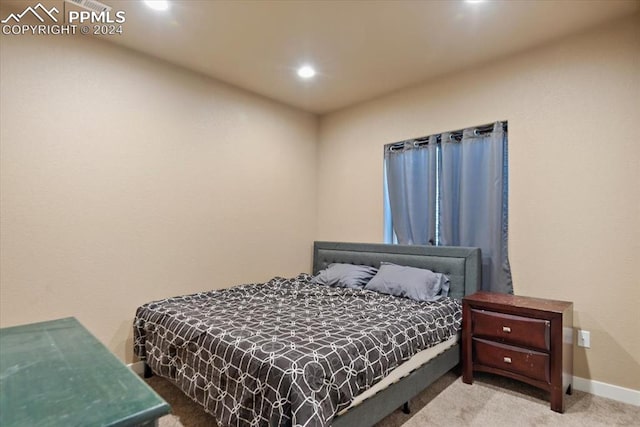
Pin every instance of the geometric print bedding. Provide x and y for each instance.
(287, 352)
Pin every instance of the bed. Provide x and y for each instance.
(291, 352)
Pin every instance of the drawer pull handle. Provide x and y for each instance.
(506, 329)
(506, 359)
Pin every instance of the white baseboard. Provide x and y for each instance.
(610, 391)
(137, 367)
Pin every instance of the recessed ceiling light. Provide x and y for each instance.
(157, 4)
(474, 1)
(306, 72)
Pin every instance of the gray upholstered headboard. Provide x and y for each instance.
(462, 265)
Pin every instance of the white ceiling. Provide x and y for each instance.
(361, 49)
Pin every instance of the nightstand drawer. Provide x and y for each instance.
(529, 363)
(518, 330)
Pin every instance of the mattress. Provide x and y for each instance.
(403, 370)
(286, 352)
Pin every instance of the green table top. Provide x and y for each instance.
(57, 374)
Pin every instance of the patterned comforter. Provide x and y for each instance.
(286, 352)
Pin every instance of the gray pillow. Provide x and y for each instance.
(345, 275)
(416, 283)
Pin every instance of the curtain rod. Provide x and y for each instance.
(456, 134)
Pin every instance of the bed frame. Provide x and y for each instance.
(462, 265)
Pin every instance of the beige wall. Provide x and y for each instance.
(125, 179)
(574, 159)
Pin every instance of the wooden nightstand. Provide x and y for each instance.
(527, 339)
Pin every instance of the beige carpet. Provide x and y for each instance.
(491, 401)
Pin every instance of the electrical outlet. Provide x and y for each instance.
(584, 339)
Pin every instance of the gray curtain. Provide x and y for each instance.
(411, 184)
(473, 201)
